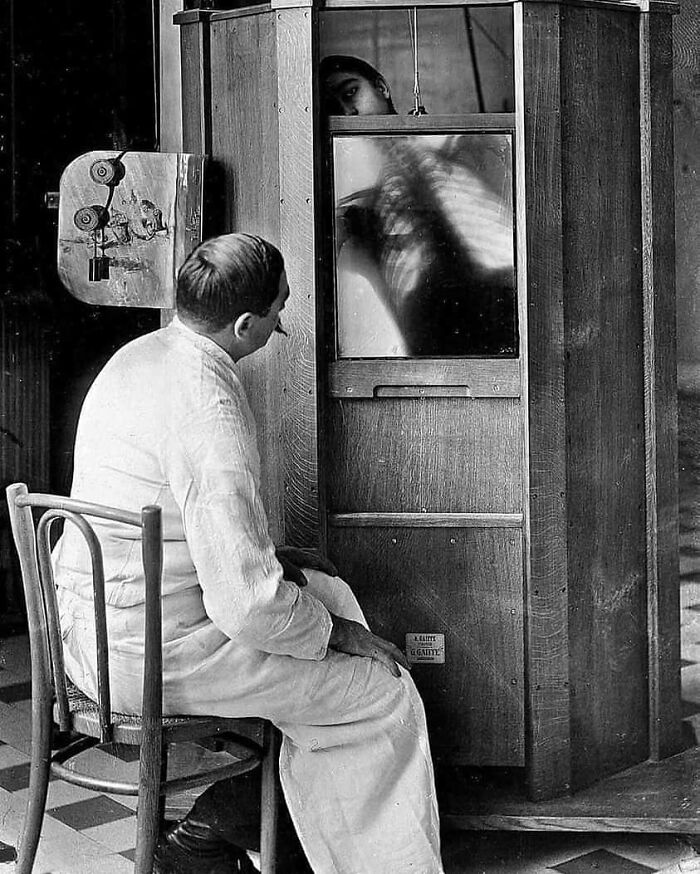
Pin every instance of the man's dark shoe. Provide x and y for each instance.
(192, 847)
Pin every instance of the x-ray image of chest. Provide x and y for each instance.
(424, 244)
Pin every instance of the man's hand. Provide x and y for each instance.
(291, 572)
(307, 558)
(351, 637)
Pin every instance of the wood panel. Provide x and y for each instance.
(651, 797)
(501, 121)
(297, 136)
(660, 383)
(170, 83)
(427, 520)
(195, 81)
(538, 101)
(456, 377)
(604, 391)
(424, 455)
(686, 111)
(365, 4)
(243, 120)
(467, 585)
(626, 5)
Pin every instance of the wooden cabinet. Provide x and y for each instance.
(512, 503)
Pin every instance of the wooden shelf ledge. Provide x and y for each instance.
(661, 797)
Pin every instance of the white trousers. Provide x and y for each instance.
(355, 762)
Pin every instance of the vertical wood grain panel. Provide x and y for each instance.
(170, 84)
(195, 66)
(604, 391)
(467, 585)
(244, 121)
(686, 113)
(245, 146)
(660, 389)
(538, 105)
(230, 111)
(295, 56)
(194, 109)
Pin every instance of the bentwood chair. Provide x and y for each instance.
(55, 699)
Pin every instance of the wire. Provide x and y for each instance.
(499, 48)
(475, 63)
(418, 108)
(112, 187)
(155, 36)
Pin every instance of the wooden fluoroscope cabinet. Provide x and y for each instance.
(475, 409)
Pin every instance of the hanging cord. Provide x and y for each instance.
(475, 63)
(103, 244)
(418, 108)
(155, 36)
(113, 186)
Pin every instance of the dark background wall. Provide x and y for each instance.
(74, 77)
(83, 80)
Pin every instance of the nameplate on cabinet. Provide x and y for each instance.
(425, 648)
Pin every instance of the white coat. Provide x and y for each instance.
(167, 422)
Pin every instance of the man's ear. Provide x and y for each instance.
(242, 325)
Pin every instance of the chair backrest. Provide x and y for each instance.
(33, 543)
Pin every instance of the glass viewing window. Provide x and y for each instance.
(424, 245)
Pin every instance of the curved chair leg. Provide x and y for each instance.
(269, 807)
(39, 772)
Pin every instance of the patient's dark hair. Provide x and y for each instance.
(346, 64)
(227, 276)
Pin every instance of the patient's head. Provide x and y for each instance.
(351, 86)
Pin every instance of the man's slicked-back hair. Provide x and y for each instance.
(227, 276)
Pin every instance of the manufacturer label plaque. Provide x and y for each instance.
(425, 648)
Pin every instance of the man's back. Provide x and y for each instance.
(128, 448)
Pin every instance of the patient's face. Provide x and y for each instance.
(356, 95)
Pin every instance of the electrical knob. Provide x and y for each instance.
(107, 171)
(90, 218)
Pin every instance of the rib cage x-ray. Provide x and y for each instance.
(424, 245)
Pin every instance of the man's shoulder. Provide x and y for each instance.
(136, 362)
(168, 361)
(137, 344)
(153, 348)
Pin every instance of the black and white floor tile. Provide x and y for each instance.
(85, 832)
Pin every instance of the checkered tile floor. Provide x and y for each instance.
(81, 829)
(85, 832)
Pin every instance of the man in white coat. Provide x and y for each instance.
(167, 422)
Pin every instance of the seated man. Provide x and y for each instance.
(167, 422)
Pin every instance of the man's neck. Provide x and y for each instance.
(224, 338)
